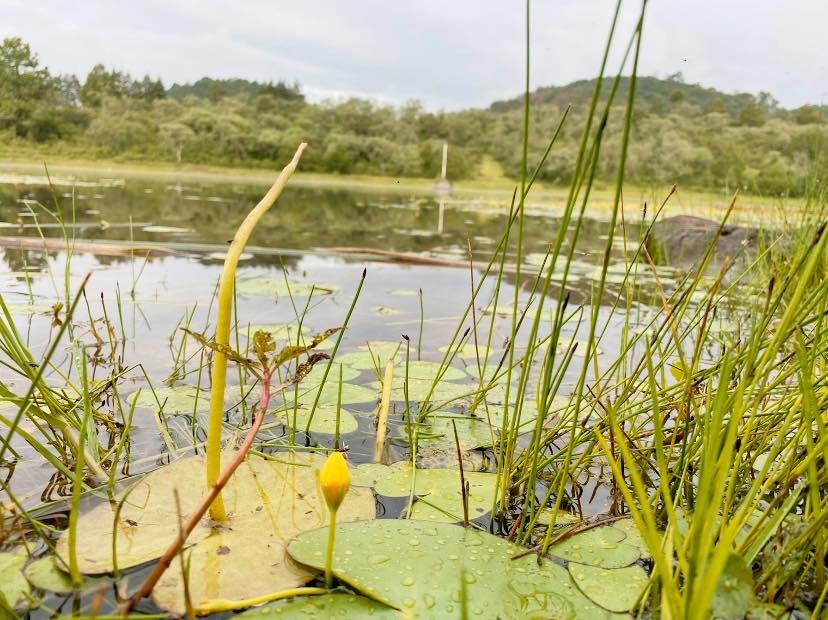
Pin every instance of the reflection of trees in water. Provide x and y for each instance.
(303, 218)
(26, 260)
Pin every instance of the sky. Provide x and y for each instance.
(448, 54)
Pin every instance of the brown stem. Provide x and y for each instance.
(175, 547)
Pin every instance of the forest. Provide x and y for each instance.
(682, 133)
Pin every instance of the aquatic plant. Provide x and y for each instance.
(222, 336)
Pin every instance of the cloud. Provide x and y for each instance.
(447, 53)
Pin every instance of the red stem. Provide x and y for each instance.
(175, 547)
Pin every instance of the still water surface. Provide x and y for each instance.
(146, 298)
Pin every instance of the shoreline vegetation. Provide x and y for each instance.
(699, 138)
(492, 193)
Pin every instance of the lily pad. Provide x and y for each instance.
(429, 371)
(734, 592)
(28, 309)
(269, 501)
(13, 585)
(616, 589)
(349, 394)
(385, 311)
(437, 490)
(419, 389)
(323, 421)
(468, 351)
(437, 570)
(634, 537)
(602, 547)
(314, 377)
(176, 399)
(365, 360)
(335, 605)
(44, 573)
(473, 432)
(279, 287)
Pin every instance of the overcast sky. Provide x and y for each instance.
(449, 54)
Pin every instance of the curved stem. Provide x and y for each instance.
(225, 305)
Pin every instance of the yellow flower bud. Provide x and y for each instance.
(335, 479)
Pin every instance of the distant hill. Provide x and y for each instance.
(209, 88)
(656, 93)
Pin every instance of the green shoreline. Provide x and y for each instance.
(490, 193)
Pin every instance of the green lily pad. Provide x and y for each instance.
(314, 377)
(268, 501)
(385, 311)
(13, 585)
(734, 592)
(44, 573)
(614, 589)
(335, 605)
(634, 537)
(472, 432)
(404, 292)
(323, 421)
(437, 570)
(278, 287)
(602, 547)
(176, 399)
(429, 371)
(437, 490)
(418, 389)
(365, 360)
(28, 309)
(349, 394)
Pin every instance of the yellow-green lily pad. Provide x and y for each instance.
(279, 287)
(268, 501)
(602, 547)
(176, 399)
(437, 490)
(323, 420)
(44, 573)
(13, 585)
(614, 589)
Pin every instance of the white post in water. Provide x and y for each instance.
(445, 159)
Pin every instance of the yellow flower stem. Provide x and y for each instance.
(213, 606)
(225, 306)
(329, 554)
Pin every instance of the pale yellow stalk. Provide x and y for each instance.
(225, 307)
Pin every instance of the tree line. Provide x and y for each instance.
(682, 133)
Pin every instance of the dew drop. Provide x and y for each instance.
(414, 542)
(377, 558)
(469, 578)
(430, 601)
(407, 581)
(409, 602)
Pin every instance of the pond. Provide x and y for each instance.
(407, 273)
(178, 233)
